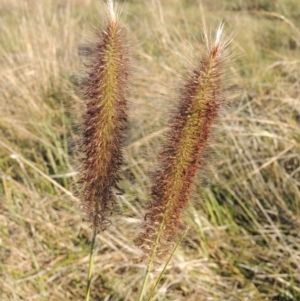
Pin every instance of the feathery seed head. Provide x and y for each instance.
(105, 93)
(190, 129)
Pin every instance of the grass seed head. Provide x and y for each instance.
(105, 91)
(200, 99)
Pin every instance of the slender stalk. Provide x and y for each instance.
(91, 263)
(145, 281)
(166, 264)
(150, 262)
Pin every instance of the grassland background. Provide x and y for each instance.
(244, 237)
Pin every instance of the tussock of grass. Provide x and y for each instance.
(243, 243)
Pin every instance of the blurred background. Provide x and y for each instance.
(244, 237)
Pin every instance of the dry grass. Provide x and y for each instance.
(244, 240)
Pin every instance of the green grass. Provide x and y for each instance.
(243, 242)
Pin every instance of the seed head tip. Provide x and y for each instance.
(219, 33)
(110, 4)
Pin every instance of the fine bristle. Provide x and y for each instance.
(219, 33)
(111, 9)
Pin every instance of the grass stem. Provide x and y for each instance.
(91, 263)
(150, 262)
(166, 264)
(145, 281)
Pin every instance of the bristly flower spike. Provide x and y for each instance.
(199, 102)
(105, 91)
